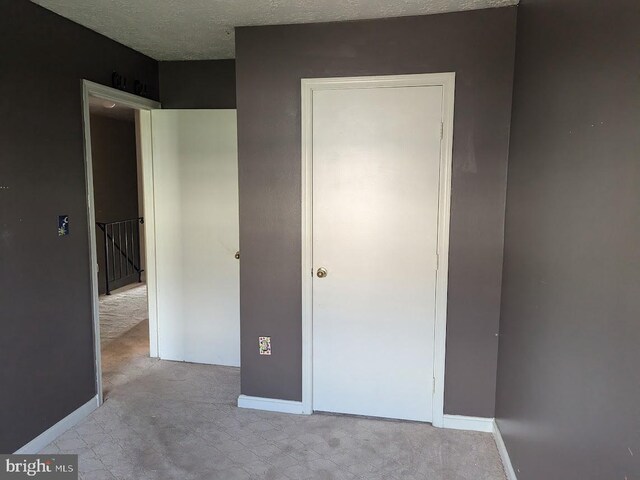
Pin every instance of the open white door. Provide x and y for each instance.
(195, 164)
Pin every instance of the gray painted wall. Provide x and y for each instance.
(568, 397)
(47, 337)
(270, 61)
(198, 84)
(115, 181)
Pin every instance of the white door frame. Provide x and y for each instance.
(308, 86)
(143, 121)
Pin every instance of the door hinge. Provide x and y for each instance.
(434, 385)
(441, 130)
(437, 261)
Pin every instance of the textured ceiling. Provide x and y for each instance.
(203, 29)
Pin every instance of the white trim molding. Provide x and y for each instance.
(270, 404)
(91, 89)
(462, 422)
(45, 438)
(308, 86)
(145, 163)
(504, 454)
(118, 96)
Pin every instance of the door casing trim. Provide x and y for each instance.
(143, 128)
(308, 86)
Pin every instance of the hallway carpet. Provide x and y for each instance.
(177, 421)
(123, 309)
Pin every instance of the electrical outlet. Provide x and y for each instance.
(264, 345)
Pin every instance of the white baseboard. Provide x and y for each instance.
(504, 455)
(49, 435)
(461, 422)
(270, 404)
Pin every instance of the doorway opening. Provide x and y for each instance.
(118, 206)
(121, 236)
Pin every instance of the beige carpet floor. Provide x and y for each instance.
(122, 310)
(166, 420)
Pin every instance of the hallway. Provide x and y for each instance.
(125, 308)
(168, 420)
(124, 335)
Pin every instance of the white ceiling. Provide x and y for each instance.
(203, 29)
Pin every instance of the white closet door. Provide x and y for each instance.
(376, 157)
(195, 171)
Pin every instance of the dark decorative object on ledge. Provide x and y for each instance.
(120, 82)
(139, 88)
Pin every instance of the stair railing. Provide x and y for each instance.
(121, 250)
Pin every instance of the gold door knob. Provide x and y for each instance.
(322, 272)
